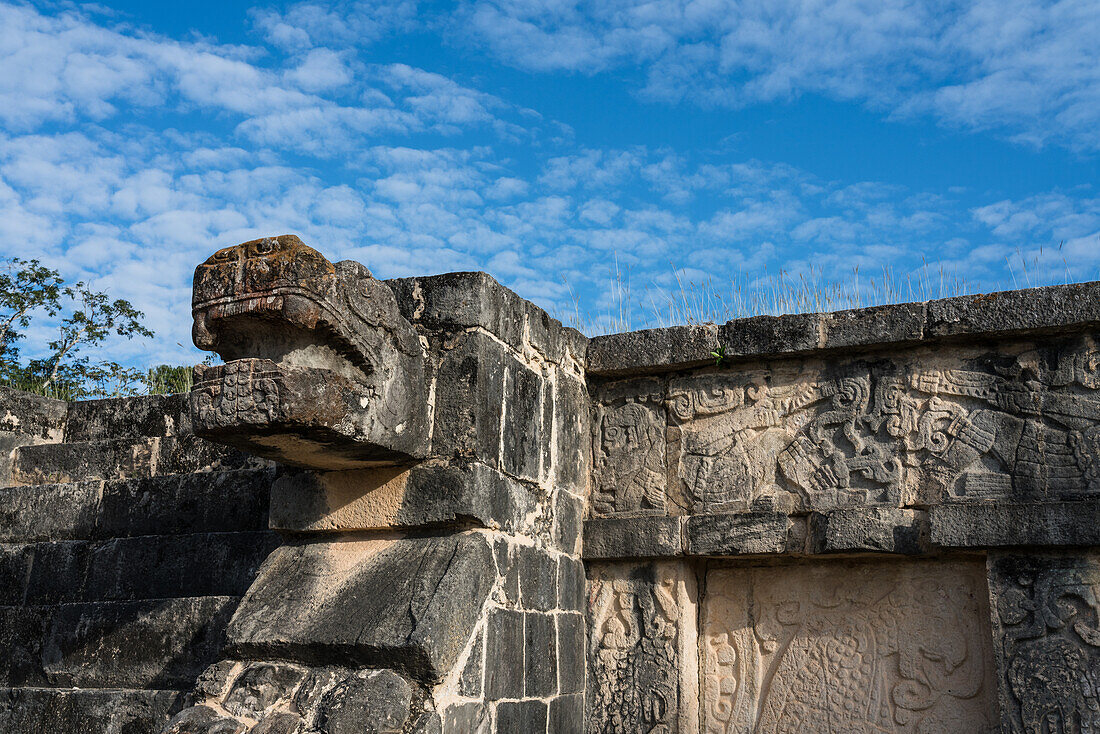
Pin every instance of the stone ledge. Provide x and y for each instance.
(997, 525)
(890, 530)
(1007, 313)
(632, 537)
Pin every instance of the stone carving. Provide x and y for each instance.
(635, 643)
(630, 458)
(1048, 638)
(839, 648)
(1021, 423)
(322, 370)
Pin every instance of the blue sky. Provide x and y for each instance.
(549, 142)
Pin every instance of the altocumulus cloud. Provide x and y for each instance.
(126, 156)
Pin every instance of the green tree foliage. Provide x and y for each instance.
(84, 318)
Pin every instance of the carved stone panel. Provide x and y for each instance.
(629, 451)
(840, 648)
(1046, 621)
(1019, 421)
(641, 650)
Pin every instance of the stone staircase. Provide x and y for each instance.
(125, 546)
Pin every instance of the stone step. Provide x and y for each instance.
(123, 459)
(147, 416)
(39, 418)
(128, 569)
(204, 502)
(83, 711)
(159, 644)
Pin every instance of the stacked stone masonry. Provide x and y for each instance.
(422, 506)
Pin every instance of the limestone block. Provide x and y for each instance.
(1047, 640)
(632, 537)
(870, 529)
(848, 647)
(1018, 421)
(322, 369)
(75, 711)
(432, 493)
(491, 406)
(410, 603)
(33, 416)
(1001, 524)
(145, 416)
(642, 665)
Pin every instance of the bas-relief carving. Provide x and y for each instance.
(926, 428)
(630, 456)
(848, 648)
(636, 649)
(1046, 614)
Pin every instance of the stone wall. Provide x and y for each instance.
(424, 506)
(878, 520)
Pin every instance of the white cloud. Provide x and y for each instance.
(1029, 69)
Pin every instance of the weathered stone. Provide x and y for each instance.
(74, 711)
(566, 715)
(894, 325)
(632, 537)
(641, 649)
(322, 370)
(36, 417)
(430, 494)
(764, 335)
(504, 658)
(279, 722)
(122, 459)
(147, 567)
(469, 682)
(203, 720)
(262, 686)
(506, 555)
(211, 502)
(540, 655)
(409, 604)
(138, 417)
(460, 301)
(155, 644)
(521, 716)
(571, 646)
(568, 513)
(49, 512)
(870, 529)
(1022, 311)
(636, 352)
(570, 584)
(467, 718)
(990, 525)
(748, 533)
(572, 418)
(538, 578)
(378, 702)
(1047, 640)
(891, 647)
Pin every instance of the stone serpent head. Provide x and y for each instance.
(322, 370)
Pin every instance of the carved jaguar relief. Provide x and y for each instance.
(848, 648)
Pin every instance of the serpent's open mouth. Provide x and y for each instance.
(318, 359)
